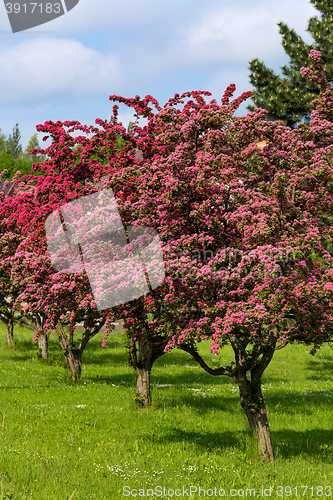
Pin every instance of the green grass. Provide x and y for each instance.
(56, 438)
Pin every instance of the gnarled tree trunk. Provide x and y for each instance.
(143, 384)
(73, 356)
(255, 410)
(43, 337)
(74, 363)
(143, 359)
(34, 322)
(10, 331)
(143, 371)
(43, 344)
(251, 398)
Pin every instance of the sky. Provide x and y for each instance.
(67, 68)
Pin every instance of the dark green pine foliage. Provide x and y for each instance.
(13, 146)
(289, 97)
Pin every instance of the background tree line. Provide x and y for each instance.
(14, 159)
(12, 156)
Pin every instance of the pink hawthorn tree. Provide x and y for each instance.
(263, 214)
(9, 242)
(37, 286)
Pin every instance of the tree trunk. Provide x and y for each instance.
(10, 331)
(43, 344)
(73, 355)
(143, 386)
(255, 410)
(143, 371)
(74, 363)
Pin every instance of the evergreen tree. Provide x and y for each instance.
(129, 128)
(289, 98)
(33, 144)
(13, 146)
(2, 142)
(12, 157)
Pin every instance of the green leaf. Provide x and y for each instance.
(316, 258)
(150, 317)
(262, 295)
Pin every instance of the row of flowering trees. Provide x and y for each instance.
(253, 193)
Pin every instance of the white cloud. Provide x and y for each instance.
(212, 21)
(234, 33)
(131, 15)
(41, 67)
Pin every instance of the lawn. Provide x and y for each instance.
(60, 441)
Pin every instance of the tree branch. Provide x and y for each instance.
(223, 370)
(158, 352)
(133, 353)
(258, 370)
(23, 323)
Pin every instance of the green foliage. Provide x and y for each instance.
(12, 157)
(2, 142)
(13, 146)
(120, 140)
(32, 144)
(289, 98)
(13, 165)
(9, 163)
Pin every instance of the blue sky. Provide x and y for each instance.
(66, 69)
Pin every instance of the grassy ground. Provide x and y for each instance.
(57, 439)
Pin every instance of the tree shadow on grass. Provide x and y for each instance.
(183, 376)
(320, 369)
(286, 443)
(312, 443)
(199, 404)
(175, 368)
(22, 350)
(201, 440)
(290, 405)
